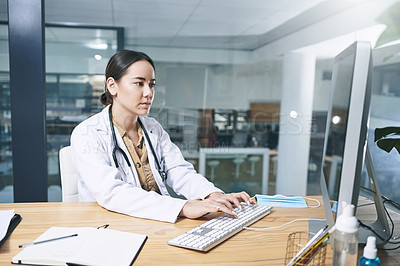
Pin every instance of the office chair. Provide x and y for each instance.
(69, 176)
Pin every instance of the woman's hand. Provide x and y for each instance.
(230, 199)
(197, 208)
(215, 202)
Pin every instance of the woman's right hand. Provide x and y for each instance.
(196, 208)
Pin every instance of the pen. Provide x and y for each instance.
(45, 241)
(310, 253)
(309, 243)
(103, 226)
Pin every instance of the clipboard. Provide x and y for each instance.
(15, 220)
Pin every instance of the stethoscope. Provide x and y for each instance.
(117, 148)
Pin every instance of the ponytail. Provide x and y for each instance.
(106, 98)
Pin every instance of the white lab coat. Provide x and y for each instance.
(118, 189)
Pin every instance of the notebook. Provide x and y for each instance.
(8, 221)
(91, 246)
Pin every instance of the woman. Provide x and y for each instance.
(129, 177)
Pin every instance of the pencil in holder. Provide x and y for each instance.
(296, 242)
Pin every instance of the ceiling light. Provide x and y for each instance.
(97, 44)
(98, 57)
(336, 119)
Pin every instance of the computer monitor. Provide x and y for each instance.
(345, 146)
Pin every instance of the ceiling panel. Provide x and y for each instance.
(229, 24)
(152, 10)
(148, 41)
(210, 29)
(217, 21)
(89, 12)
(258, 4)
(151, 2)
(146, 19)
(213, 42)
(66, 5)
(151, 31)
(229, 15)
(274, 20)
(302, 5)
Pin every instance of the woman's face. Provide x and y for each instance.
(134, 92)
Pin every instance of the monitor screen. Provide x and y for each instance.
(345, 146)
(347, 121)
(340, 102)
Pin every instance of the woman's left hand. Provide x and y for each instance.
(230, 199)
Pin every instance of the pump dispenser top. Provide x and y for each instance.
(369, 256)
(370, 249)
(347, 222)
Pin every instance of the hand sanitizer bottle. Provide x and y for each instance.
(369, 257)
(345, 238)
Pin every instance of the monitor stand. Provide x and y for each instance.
(380, 226)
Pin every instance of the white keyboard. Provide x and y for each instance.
(211, 233)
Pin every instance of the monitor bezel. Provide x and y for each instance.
(356, 150)
(357, 122)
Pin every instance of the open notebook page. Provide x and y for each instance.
(91, 247)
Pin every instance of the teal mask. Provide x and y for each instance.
(281, 201)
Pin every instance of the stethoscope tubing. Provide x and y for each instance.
(118, 148)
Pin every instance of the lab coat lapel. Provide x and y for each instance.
(153, 139)
(151, 132)
(153, 136)
(121, 144)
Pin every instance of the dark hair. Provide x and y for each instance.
(117, 67)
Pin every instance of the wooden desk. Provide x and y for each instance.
(245, 248)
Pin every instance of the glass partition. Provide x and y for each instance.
(208, 119)
(76, 58)
(6, 174)
(236, 103)
(237, 169)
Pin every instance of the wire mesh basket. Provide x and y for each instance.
(296, 241)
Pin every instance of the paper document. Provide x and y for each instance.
(91, 246)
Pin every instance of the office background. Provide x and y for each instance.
(230, 74)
